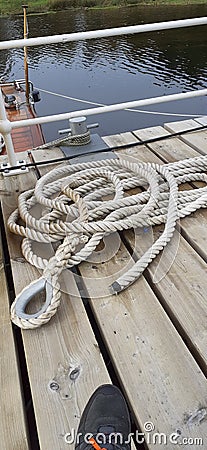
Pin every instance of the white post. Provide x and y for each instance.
(5, 129)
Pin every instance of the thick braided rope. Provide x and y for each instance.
(75, 217)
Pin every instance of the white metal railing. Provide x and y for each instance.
(96, 34)
(109, 108)
(5, 129)
(6, 126)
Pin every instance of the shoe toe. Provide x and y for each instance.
(106, 407)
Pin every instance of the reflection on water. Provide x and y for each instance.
(114, 69)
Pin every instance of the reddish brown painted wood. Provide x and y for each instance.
(24, 138)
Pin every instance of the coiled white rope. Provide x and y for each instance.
(75, 217)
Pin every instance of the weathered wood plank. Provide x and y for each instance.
(194, 231)
(201, 120)
(161, 379)
(11, 186)
(169, 150)
(13, 431)
(53, 352)
(194, 226)
(140, 152)
(197, 140)
(189, 314)
(47, 155)
(120, 139)
(178, 278)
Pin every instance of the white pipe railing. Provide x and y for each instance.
(109, 108)
(6, 126)
(96, 34)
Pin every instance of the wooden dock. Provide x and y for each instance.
(150, 340)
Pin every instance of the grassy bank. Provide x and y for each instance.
(15, 6)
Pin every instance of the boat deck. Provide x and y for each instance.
(150, 340)
(24, 138)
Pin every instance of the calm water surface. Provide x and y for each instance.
(115, 69)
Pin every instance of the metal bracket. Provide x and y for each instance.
(6, 168)
(97, 149)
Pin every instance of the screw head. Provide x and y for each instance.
(54, 386)
(75, 373)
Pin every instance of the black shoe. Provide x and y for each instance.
(105, 422)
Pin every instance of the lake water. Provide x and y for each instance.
(115, 69)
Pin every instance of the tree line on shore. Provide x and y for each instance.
(15, 6)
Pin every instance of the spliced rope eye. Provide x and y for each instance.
(77, 219)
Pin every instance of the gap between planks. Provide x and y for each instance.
(13, 428)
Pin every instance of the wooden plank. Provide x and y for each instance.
(18, 183)
(140, 152)
(53, 352)
(182, 125)
(47, 155)
(168, 150)
(120, 139)
(194, 226)
(178, 278)
(159, 376)
(16, 131)
(194, 231)
(190, 315)
(13, 431)
(66, 344)
(202, 120)
(197, 140)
